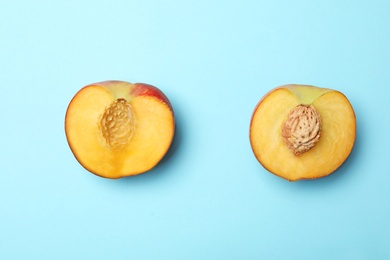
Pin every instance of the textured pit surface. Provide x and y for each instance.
(302, 129)
(117, 124)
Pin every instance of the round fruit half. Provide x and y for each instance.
(302, 132)
(117, 129)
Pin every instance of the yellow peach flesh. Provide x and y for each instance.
(334, 146)
(154, 130)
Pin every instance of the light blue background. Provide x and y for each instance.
(209, 198)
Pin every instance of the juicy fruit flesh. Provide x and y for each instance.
(334, 146)
(114, 151)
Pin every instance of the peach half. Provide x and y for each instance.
(117, 129)
(302, 132)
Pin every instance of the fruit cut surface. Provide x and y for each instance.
(337, 132)
(135, 138)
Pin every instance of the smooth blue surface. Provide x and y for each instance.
(209, 198)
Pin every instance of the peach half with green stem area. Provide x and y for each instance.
(117, 129)
(302, 132)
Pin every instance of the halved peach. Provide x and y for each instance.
(302, 132)
(118, 129)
